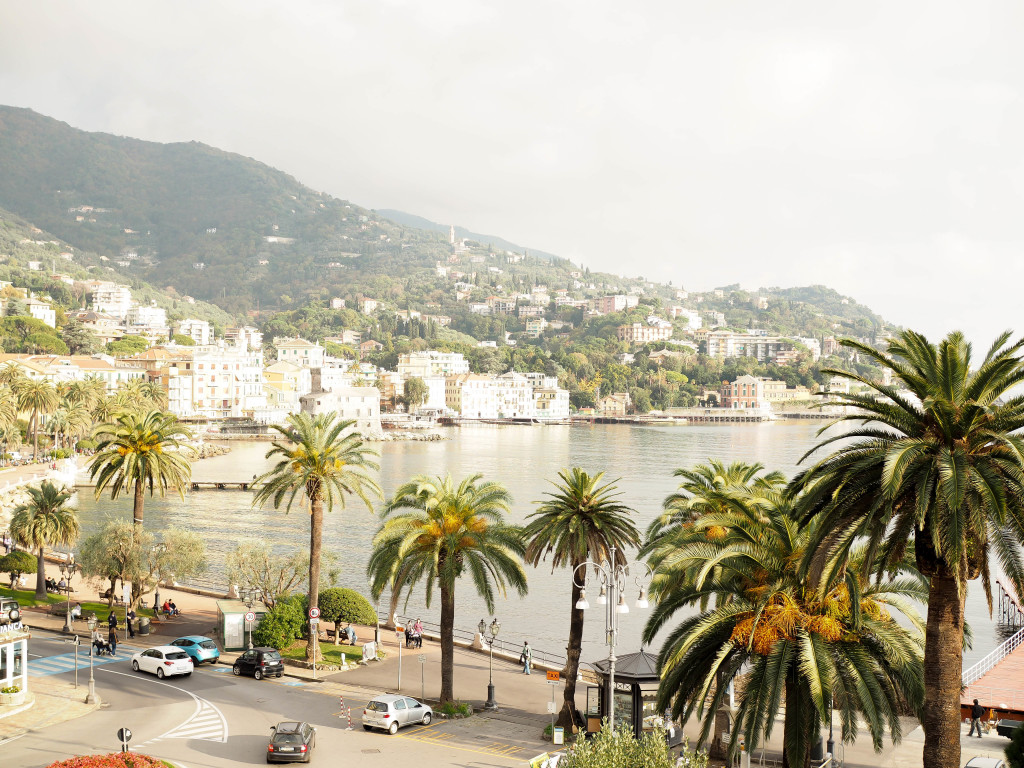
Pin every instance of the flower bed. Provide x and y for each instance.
(114, 760)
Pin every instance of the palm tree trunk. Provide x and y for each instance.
(41, 576)
(567, 715)
(316, 524)
(943, 666)
(796, 718)
(392, 621)
(140, 498)
(35, 433)
(447, 642)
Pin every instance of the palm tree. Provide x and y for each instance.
(38, 396)
(8, 406)
(140, 450)
(11, 374)
(45, 520)
(581, 519)
(933, 467)
(325, 460)
(71, 420)
(105, 409)
(805, 644)
(447, 531)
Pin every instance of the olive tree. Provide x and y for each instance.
(276, 575)
(341, 605)
(17, 563)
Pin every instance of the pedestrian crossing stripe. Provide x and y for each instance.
(206, 723)
(65, 662)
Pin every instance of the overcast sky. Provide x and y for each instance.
(872, 147)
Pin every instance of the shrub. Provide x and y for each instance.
(454, 708)
(623, 750)
(1015, 749)
(285, 622)
(10, 689)
(85, 444)
(60, 453)
(342, 605)
(17, 563)
(115, 760)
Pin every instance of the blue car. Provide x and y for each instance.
(199, 648)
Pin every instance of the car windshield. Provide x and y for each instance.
(287, 738)
(271, 656)
(177, 655)
(377, 706)
(208, 644)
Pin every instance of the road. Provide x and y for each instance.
(214, 719)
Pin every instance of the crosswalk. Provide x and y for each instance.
(65, 662)
(207, 723)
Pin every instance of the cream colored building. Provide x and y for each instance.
(360, 404)
(308, 354)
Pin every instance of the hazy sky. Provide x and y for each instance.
(875, 147)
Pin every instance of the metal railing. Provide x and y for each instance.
(509, 645)
(976, 671)
(1008, 612)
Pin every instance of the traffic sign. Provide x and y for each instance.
(314, 613)
(123, 735)
(422, 658)
(552, 676)
(250, 617)
(314, 622)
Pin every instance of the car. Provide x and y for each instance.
(260, 663)
(985, 762)
(199, 648)
(163, 661)
(10, 611)
(1008, 727)
(391, 711)
(291, 742)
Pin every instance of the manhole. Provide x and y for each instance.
(370, 751)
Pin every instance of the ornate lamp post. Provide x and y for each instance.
(67, 571)
(250, 596)
(612, 577)
(91, 697)
(493, 629)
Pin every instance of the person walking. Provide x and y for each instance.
(112, 633)
(131, 623)
(526, 657)
(977, 712)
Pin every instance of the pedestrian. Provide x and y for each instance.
(112, 639)
(97, 642)
(977, 711)
(131, 623)
(526, 657)
(417, 633)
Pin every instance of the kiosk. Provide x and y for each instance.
(635, 696)
(14, 662)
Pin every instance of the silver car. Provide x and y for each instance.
(391, 711)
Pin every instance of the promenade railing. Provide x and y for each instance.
(977, 671)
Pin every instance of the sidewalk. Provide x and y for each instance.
(56, 701)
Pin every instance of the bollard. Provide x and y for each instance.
(349, 719)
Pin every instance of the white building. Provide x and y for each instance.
(301, 352)
(473, 396)
(40, 310)
(197, 330)
(111, 299)
(150, 322)
(551, 403)
(432, 363)
(361, 404)
(228, 381)
(244, 336)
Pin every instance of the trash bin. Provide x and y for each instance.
(144, 625)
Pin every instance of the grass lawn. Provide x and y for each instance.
(27, 598)
(330, 652)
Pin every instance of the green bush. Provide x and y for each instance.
(342, 605)
(85, 445)
(453, 708)
(623, 750)
(60, 453)
(1015, 749)
(17, 563)
(275, 629)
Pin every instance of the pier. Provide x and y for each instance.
(997, 681)
(203, 485)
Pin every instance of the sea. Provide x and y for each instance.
(639, 460)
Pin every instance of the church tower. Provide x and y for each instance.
(451, 234)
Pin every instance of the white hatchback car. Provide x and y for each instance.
(391, 711)
(163, 661)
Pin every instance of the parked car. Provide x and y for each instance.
(10, 611)
(1007, 727)
(163, 661)
(985, 762)
(391, 711)
(291, 742)
(260, 663)
(199, 648)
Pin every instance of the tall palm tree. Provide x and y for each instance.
(105, 409)
(8, 406)
(139, 450)
(40, 397)
(445, 531)
(581, 519)
(45, 520)
(323, 459)
(71, 420)
(11, 374)
(805, 644)
(933, 467)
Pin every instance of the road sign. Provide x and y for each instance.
(314, 613)
(123, 735)
(314, 622)
(551, 707)
(250, 617)
(422, 658)
(552, 676)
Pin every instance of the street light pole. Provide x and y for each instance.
(91, 696)
(67, 570)
(491, 704)
(612, 577)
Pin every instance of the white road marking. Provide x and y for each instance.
(206, 722)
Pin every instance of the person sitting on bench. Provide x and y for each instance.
(51, 585)
(350, 635)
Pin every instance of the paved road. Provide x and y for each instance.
(215, 719)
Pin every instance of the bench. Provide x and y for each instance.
(117, 600)
(330, 636)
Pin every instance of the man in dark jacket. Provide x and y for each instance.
(977, 712)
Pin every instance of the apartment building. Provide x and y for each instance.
(244, 336)
(197, 330)
(642, 333)
(765, 349)
(110, 298)
(746, 392)
(618, 303)
(60, 369)
(105, 328)
(308, 354)
(432, 363)
(148, 321)
(361, 404)
(42, 310)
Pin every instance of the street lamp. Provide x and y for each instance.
(67, 571)
(494, 628)
(612, 576)
(250, 596)
(91, 696)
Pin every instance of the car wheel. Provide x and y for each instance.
(258, 674)
(236, 671)
(366, 727)
(135, 666)
(160, 673)
(426, 719)
(393, 729)
(187, 674)
(15, 614)
(279, 674)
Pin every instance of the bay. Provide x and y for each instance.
(640, 460)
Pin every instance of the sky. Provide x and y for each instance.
(874, 147)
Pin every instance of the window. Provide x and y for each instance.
(400, 704)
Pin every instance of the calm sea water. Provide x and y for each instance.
(525, 459)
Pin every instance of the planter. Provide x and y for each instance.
(12, 699)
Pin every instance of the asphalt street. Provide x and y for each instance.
(214, 719)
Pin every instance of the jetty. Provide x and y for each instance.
(997, 681)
